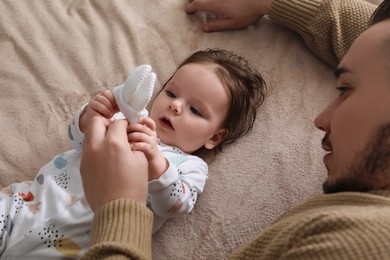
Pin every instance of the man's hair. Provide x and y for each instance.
(245, 86)
(382, 12)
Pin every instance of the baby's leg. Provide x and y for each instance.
(53, 218)
(12, 202)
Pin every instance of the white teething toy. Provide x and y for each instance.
(133, 96)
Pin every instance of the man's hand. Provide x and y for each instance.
(109, 168)
(230, 14)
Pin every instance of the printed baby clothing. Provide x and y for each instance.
(49, 218)
(176, 191)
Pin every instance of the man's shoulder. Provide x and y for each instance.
(342, 200)
(343, 208)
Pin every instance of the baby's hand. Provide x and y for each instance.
(143, 137)
(103, 104)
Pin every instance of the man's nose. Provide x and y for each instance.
(322, 121)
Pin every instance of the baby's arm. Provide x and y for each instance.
(172, 190)
(176, 191)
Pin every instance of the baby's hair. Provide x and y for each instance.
(245, 85)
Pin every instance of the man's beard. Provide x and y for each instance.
(375, 159)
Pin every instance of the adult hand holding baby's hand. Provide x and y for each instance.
(103, 105)
(143, 137)
(109, 168)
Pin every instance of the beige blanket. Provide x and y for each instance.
(55, 55)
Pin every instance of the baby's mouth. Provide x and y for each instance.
(165, 121)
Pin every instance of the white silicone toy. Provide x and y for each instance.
(133, 96)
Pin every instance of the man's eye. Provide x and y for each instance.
(170, 94)
(195, 111)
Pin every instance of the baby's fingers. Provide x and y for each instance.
(101, 109)
(148, 122)
(134, 137)
(142, 147)
(104, 104)
(142, 142)
(141, 129)
(109, 96)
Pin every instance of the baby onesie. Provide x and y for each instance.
(50, 217)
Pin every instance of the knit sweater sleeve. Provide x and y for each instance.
(121, 229)
(328, 27)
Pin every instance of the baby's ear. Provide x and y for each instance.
(217, 138)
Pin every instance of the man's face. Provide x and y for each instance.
(355, 123)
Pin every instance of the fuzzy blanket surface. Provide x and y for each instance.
(56, 55)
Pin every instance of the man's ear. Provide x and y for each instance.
(216, 139)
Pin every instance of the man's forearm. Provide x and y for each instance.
(121, 229)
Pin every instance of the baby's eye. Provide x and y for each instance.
(195, 111)
(343, 89)
(170, 94)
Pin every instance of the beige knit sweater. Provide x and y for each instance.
(338, 226)
(348, 225)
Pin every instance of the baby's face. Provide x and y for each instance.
(189, 112)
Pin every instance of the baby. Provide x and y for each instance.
(210, 101)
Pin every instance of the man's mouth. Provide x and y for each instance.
(326, 159)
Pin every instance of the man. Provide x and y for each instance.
(353, 220)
